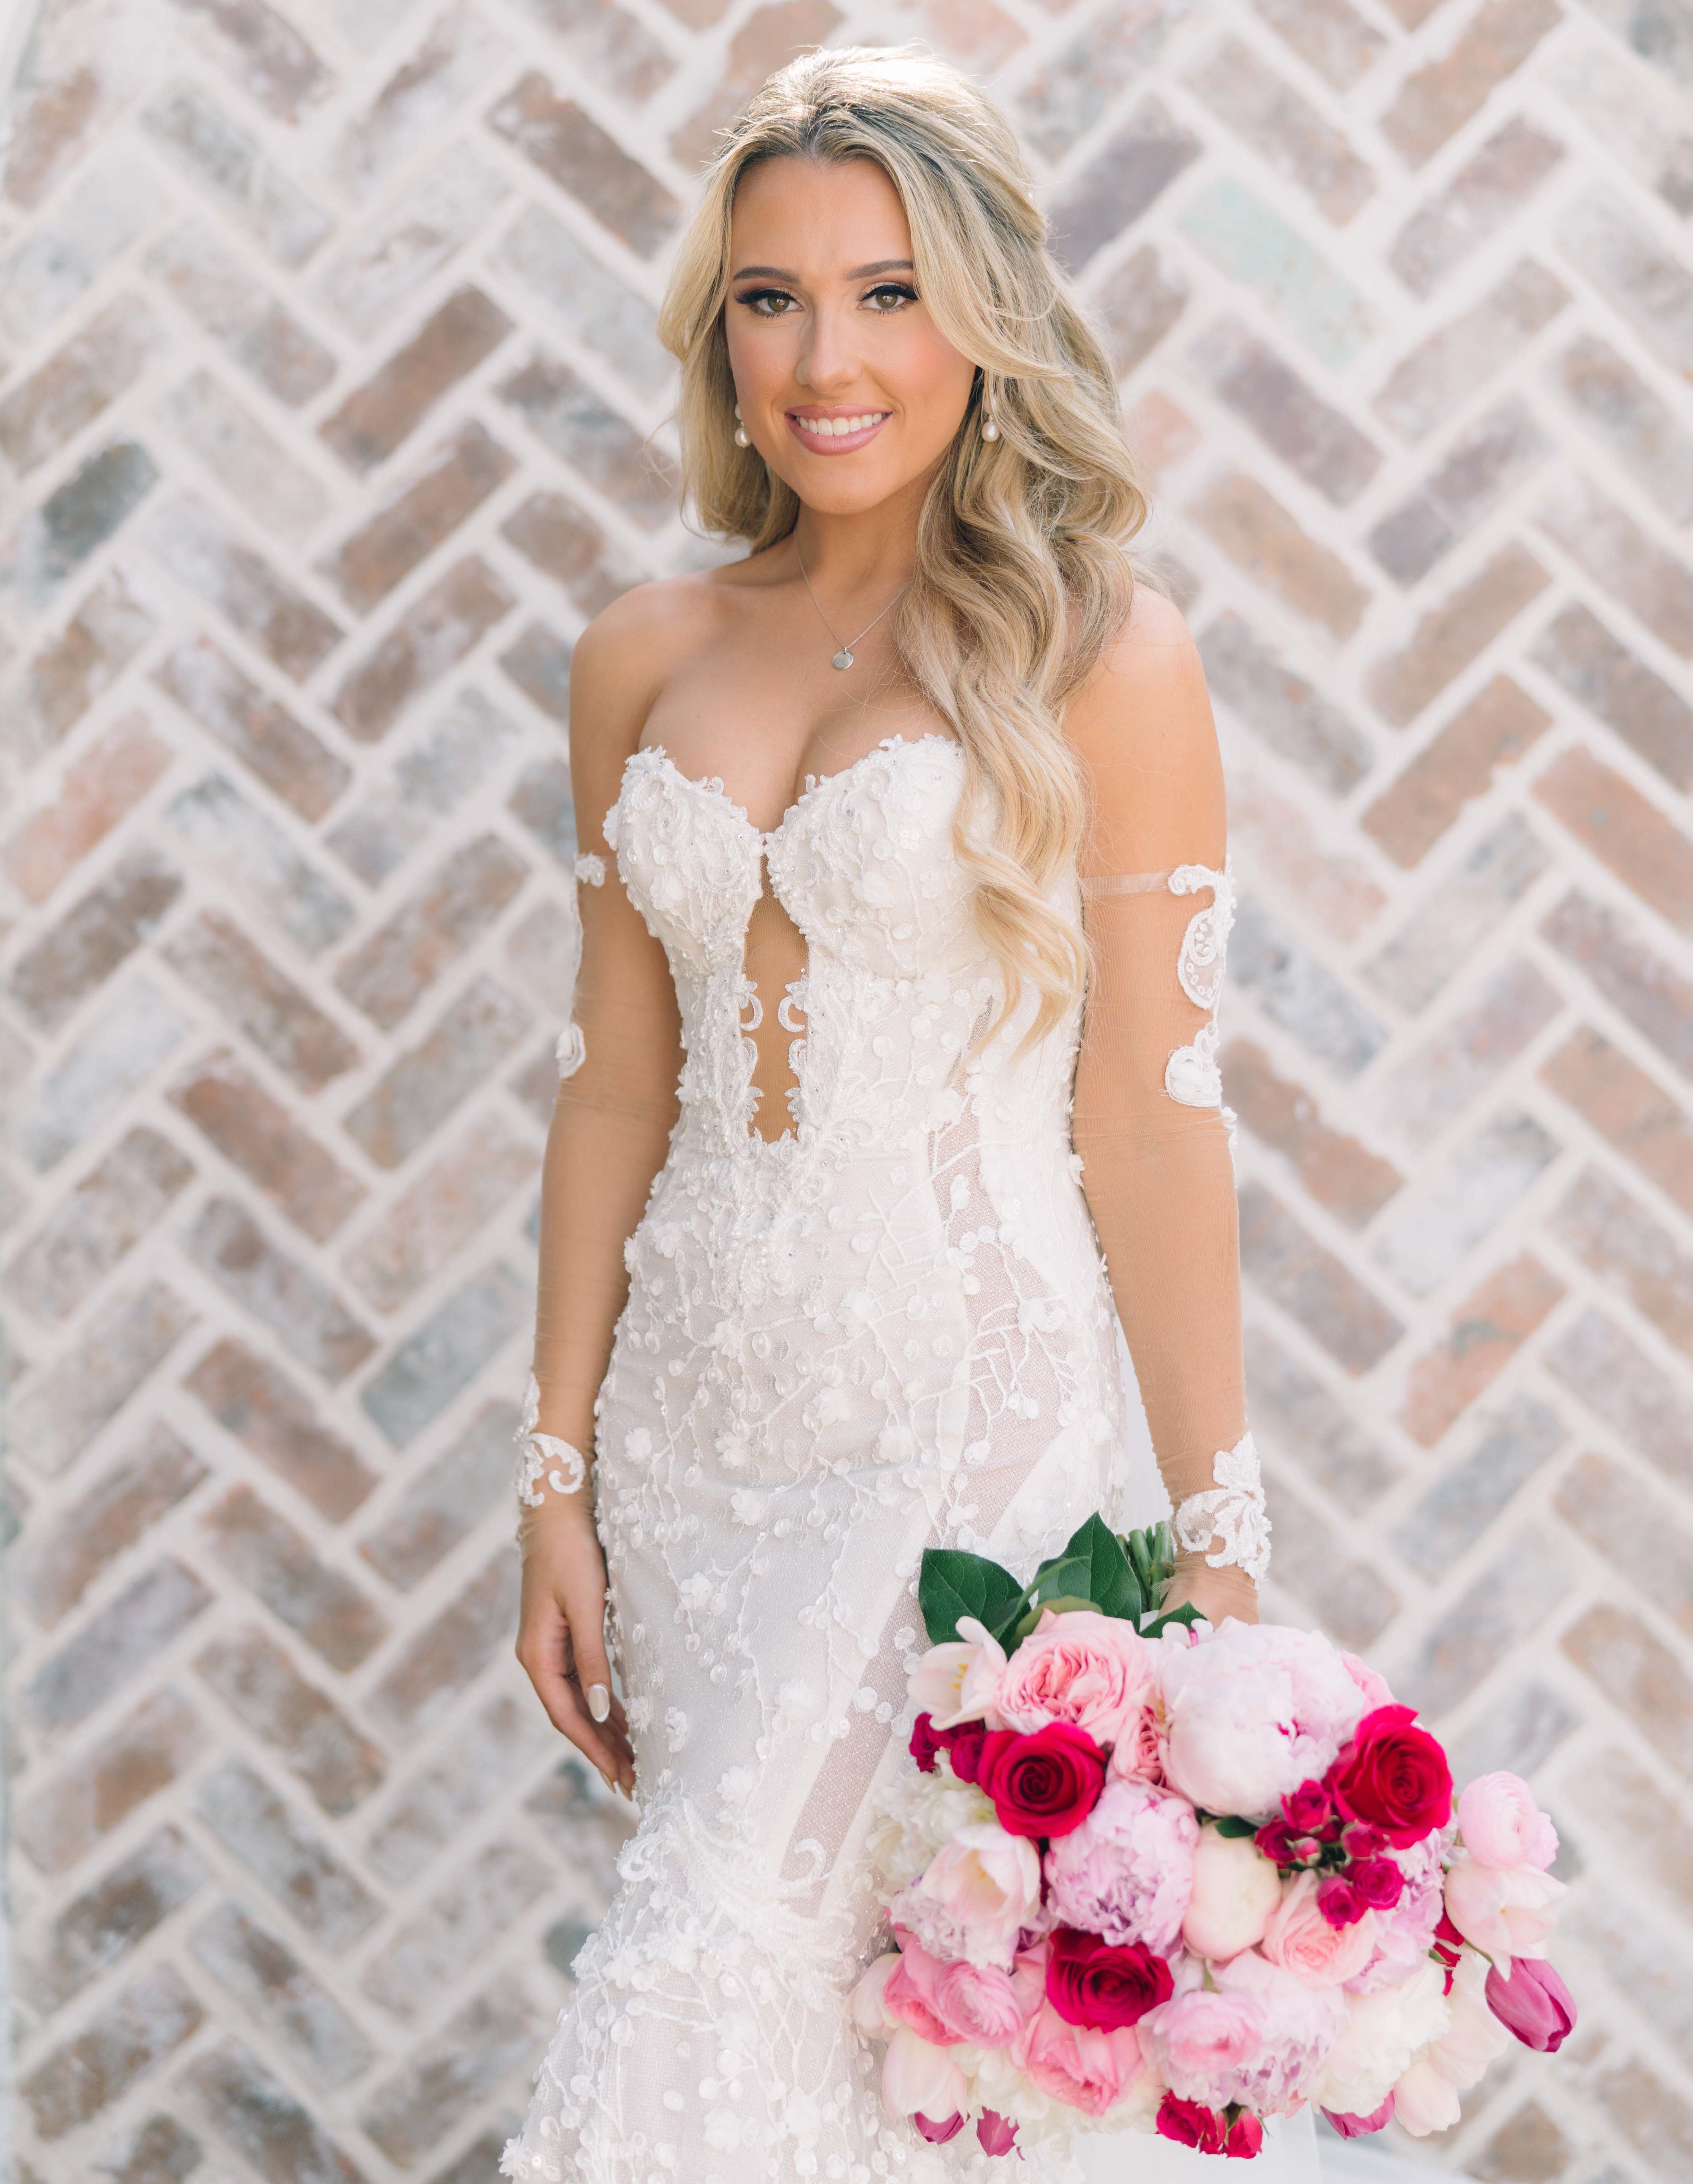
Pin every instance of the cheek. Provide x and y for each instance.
(929, 376)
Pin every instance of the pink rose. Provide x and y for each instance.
(1234, 1890)
(956, 1682)
(1299, 1937)
(1252, 1711)
(919, 2079)
(1504, 1911)
(1127, 1870)
(1085, 2069)
(1137, 1752)
(1499, 1823)
(909, 1993)
(1093, 1671)
(973, 1899)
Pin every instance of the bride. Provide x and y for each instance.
(890, 1095)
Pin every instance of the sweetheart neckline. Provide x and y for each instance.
(815, 783)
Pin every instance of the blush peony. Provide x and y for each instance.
(973, 1899)
(1253, 1710)
(1504, 1911)
(1383, 2031)
(1128, 1871)
(1499, 1823)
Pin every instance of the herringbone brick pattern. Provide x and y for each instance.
(328, 367)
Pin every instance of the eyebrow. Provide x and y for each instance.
(857, 273)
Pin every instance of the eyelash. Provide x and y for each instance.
(755, 297)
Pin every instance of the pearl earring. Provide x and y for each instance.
(990, 430)
(741, 439)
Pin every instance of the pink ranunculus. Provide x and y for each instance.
(1091, 1670)
(974, 1898)
(909, 1993)
(1374, 1685)
(1252, 1711)
(1504, 1911)
(1532, 2000)
(1357, 2126)
(1127, 1872)
(956, 1682)
(1499, 1823)
(919, 2079)
(1301, 1939)
(1234, 1888)
(1085, 2069)
(977, 2002)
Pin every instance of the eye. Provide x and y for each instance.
(768, 303)
(889, 296)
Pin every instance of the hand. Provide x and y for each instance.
(1217, 1593)
(561, 1638)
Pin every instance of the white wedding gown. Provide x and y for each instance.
(889, 1329)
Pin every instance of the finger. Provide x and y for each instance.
(542, 1648)
(583, 1602)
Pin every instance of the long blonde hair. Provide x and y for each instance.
(1022, 575)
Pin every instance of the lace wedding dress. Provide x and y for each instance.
(888, 1329)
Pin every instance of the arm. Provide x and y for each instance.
(1148, 1121)
(608, 1135)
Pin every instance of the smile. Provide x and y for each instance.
(838, 434)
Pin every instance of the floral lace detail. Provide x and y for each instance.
(888, 1329)
(542, 1449)
(1233, 1511)
(1191, 1074)
(591, 870)
(570, 1050)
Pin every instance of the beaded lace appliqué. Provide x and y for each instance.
(542, 1449)
(1234, 1510)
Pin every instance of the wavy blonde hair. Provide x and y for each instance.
(1022, 575)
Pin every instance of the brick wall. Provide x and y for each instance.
(325, 328)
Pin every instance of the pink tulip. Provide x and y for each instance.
(919, 2079)
(1357, 2126)
(996, 2135)
(1533, 2002)
(938, 2133)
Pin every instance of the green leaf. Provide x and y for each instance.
(1106, 1576)
(952, 1584)
(1227, 1824)
(1187, 1612)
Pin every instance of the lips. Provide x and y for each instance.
(837, 433)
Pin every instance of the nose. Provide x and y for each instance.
(827, 363)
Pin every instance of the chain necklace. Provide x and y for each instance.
(843, 658)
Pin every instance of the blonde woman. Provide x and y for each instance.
(890, 1095)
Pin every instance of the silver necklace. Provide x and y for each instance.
(843, 658)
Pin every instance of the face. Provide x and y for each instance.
(847, 387)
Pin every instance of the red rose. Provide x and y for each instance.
(1190, 2123)
(1394, 1776)
(1245, 2136)
(925, 1743)
(1043, 1784)
(964, 1749)
(1275, 1840)
(1378, 1881)
(1307, 1808)
(1094, 1982)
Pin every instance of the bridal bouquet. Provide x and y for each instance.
(1144, 1873)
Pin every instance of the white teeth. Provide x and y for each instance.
(835, 428)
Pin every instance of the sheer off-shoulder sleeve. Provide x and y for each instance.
(1157, 1141)
(619, 1057)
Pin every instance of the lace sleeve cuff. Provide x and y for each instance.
(546, 1459)
(1233, 1511)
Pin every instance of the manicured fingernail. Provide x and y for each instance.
(599, 1701)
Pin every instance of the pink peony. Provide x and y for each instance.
(956, 1682)
(1424, 2101)
(1254, 1710)
(1093, 1671)
(1374, 1685)
(1199, 2040)
(1234, 1890)
(1386, 2030)
(1299, 1937)
(1085, 2069)
(973, 1899)
(1504, 1911)
(1302, 2026)
(1127, 1870)
(919, 2079)
(1499, 1823)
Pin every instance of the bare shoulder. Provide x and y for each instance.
(630, 648)
(1142, 725)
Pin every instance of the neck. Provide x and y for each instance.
(872, 550)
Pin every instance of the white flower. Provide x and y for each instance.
(677, 1728)
(1383, 2031)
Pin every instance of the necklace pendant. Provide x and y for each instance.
(843, 659)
